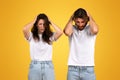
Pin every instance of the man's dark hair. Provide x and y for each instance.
(81, 13)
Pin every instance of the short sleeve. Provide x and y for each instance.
(89, 31)
(52, 38)
(74, 28)
(30, 37)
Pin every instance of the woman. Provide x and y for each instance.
(40, 39)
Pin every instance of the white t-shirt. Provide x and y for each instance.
(81, 47)
(40, 50)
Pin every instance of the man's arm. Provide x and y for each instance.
(68, 30)
(93, 26)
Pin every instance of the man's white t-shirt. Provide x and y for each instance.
(40, 50)
(81, 47)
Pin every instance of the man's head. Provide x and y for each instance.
(80, 18)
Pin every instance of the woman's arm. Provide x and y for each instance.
(58, 31)
(26, 29)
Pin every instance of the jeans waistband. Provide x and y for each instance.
(80, 67)
(40, 62)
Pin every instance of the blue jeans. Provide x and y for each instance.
(41, 70)
(81, 73)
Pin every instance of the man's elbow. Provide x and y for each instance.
(67, 33)
(95, 31)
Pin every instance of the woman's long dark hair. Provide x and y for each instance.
(47, 33)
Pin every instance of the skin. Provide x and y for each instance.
(68, 30)
(80, 23)
(41, 28)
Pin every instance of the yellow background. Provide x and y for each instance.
(14, 49)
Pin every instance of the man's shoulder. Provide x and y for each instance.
(75, 27)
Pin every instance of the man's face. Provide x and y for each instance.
(80, 23)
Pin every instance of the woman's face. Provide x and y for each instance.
(40, 25)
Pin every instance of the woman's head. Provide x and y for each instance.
(42, 26)
(41, 23)
(80, 18)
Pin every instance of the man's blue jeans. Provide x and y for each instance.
(81, 73)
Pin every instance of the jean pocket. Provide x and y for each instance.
(50, 65)
(90, 69)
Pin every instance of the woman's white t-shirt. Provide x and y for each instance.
(40, 50)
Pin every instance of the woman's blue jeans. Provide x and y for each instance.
(41, 70)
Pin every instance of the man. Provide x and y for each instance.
(82, 40)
